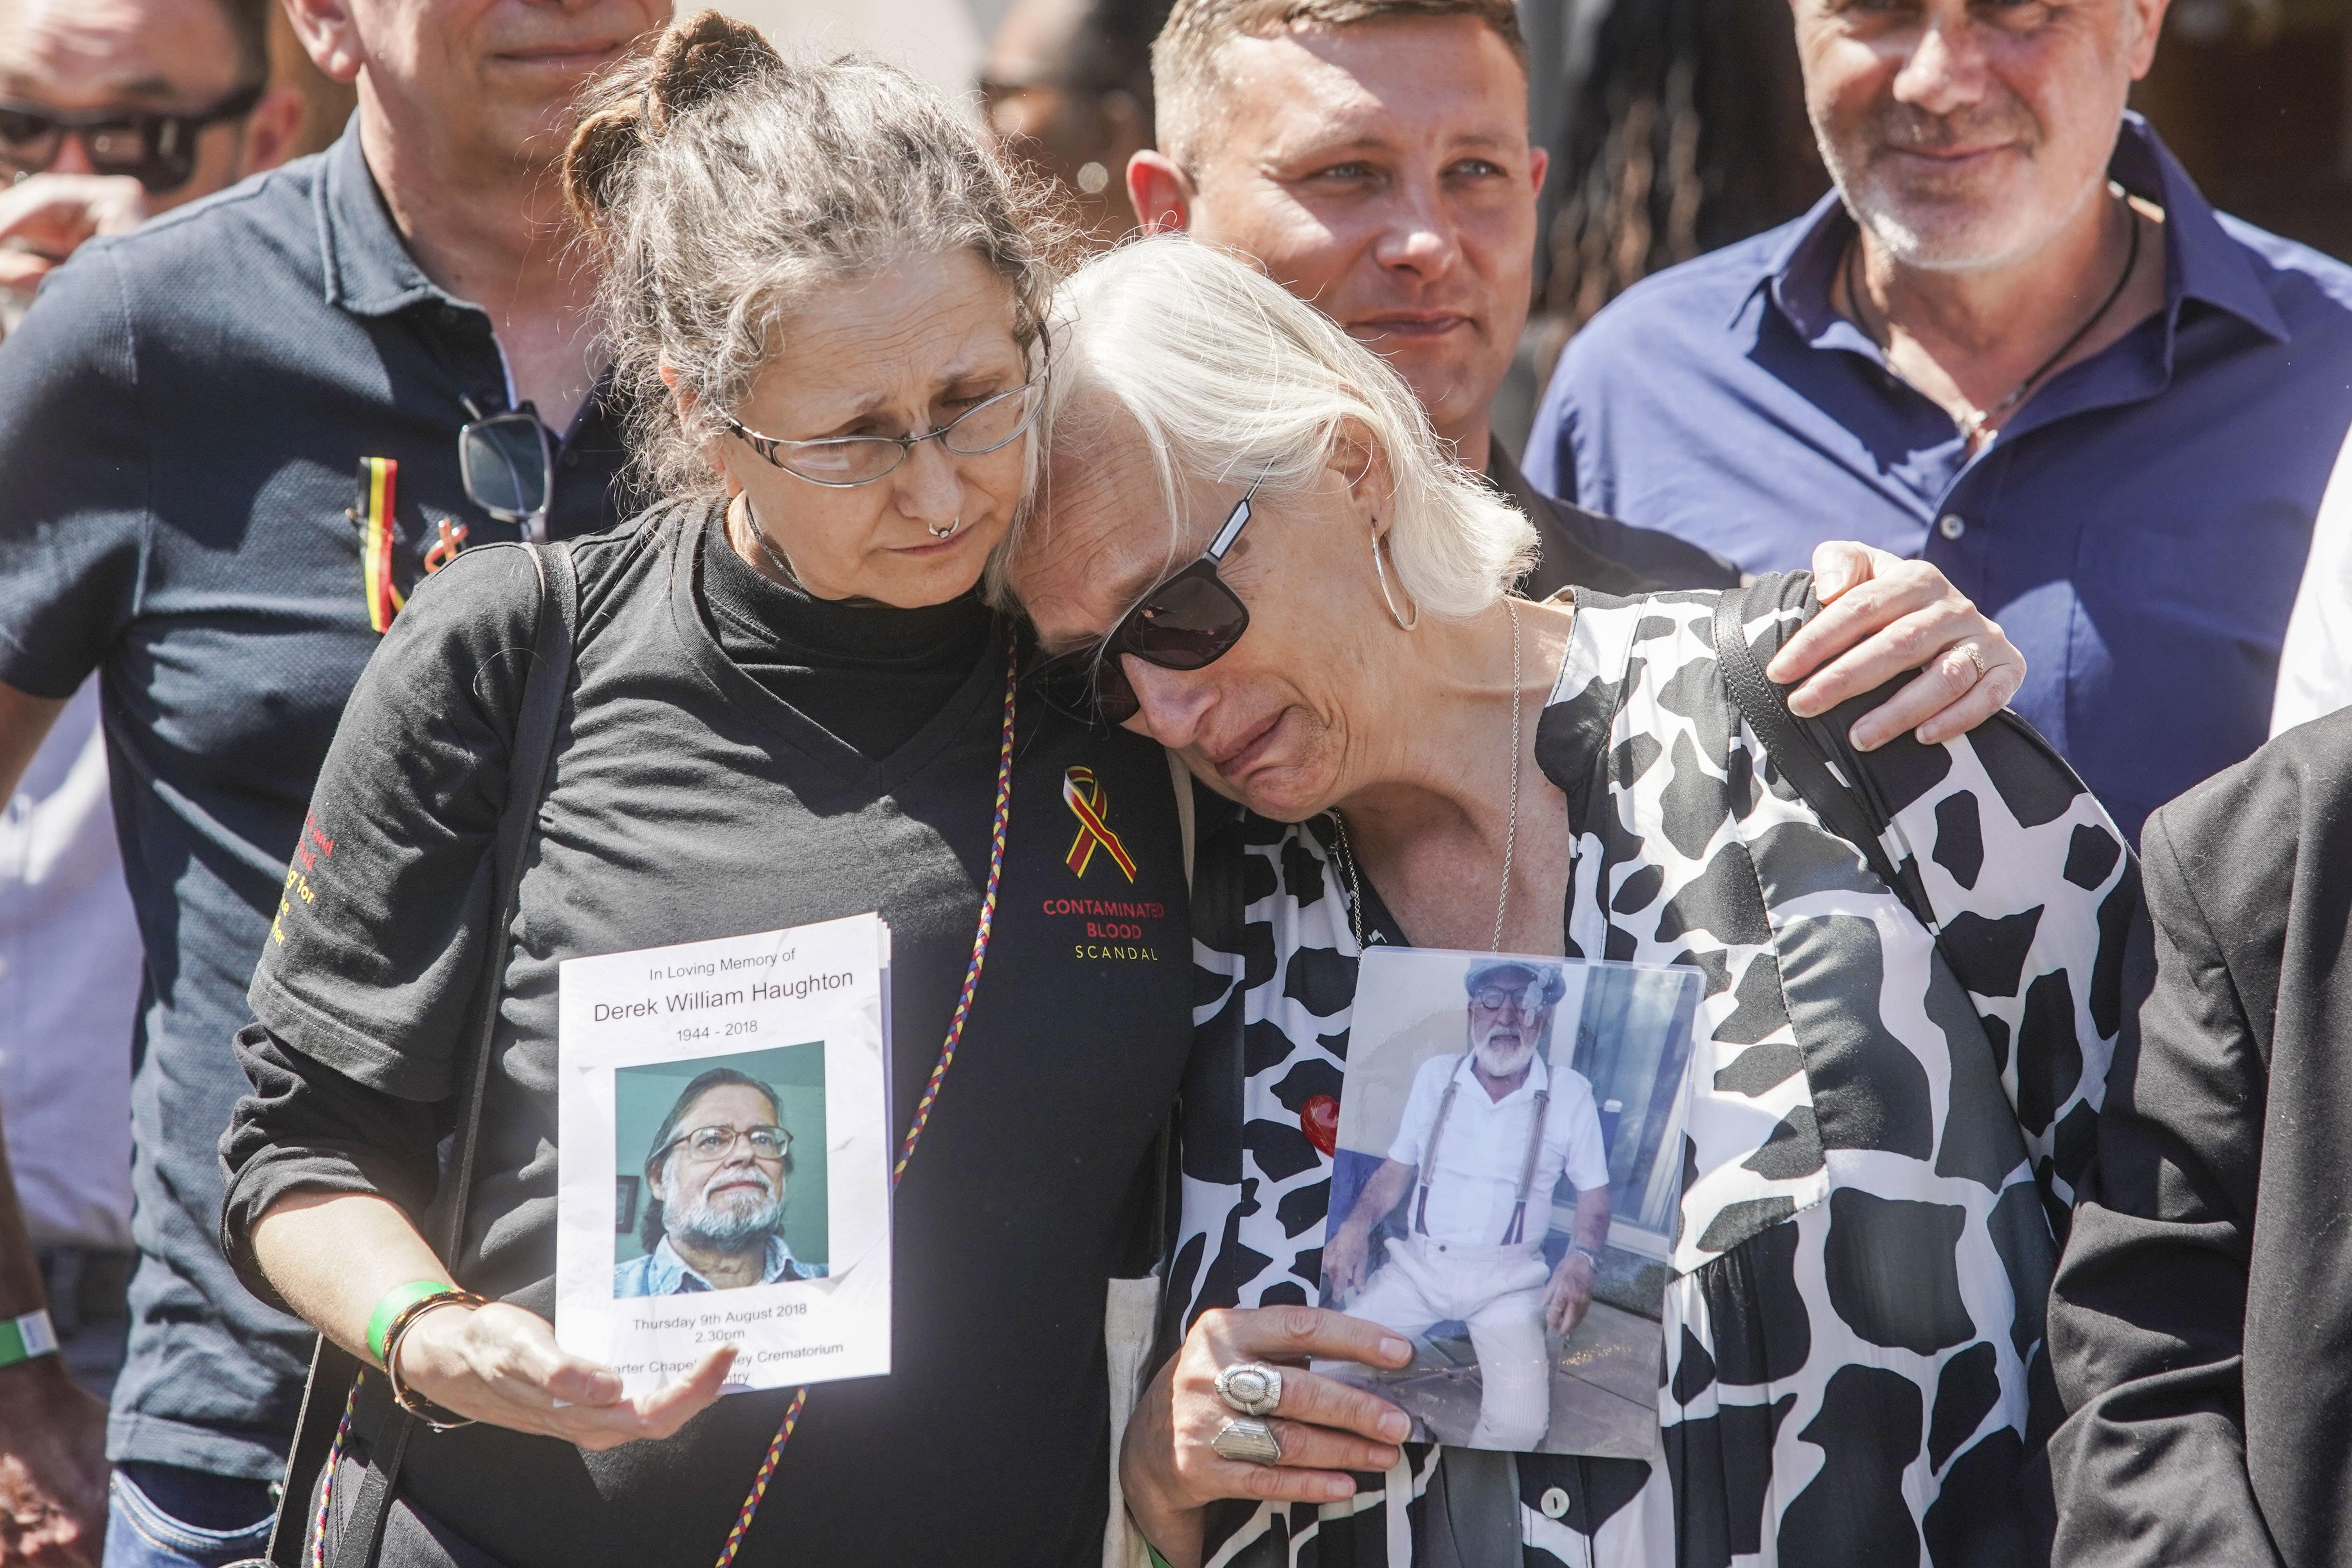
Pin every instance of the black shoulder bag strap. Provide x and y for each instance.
(331, 1369)
(1804, 749)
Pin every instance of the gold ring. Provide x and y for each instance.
(1974, 657)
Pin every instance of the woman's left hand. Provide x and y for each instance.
(1881, 615)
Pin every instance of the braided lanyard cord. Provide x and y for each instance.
(939, 1072)
(327, 1488)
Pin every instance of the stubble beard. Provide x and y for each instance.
(1966, 231)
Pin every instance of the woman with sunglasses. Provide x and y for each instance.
(1253, 550)
(788, 704)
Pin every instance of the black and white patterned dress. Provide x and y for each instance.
(1882, 1141)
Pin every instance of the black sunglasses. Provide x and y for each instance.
(508, 462)
(156, 148)
(1190, 620)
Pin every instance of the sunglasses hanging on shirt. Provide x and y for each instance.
(507, 463)
(156, 148)
(1189, 621)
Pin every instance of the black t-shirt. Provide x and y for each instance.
(869, 674)
(183, 415)
(688, 802)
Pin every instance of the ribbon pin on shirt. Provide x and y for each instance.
(1091, 804)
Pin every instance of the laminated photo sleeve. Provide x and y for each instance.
(1501, 1114)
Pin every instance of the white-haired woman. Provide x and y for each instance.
(1885, 1126)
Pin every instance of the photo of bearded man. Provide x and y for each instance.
(1488, 1134)
(718, 1177)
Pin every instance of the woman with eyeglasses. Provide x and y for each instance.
(788, 704)
(1253, 550)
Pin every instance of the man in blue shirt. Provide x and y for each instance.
(2039, 359)
(230, 443)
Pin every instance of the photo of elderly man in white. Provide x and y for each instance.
(718, 1176)
(1487, 1135)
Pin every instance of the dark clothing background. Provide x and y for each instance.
(688, 802)
(2138, 529)
(182, 417)
(1582, 549)
(2203, 1307)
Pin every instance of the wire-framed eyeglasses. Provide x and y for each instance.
(839, 462)
(717, 1143)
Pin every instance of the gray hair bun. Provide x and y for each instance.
(720, 183)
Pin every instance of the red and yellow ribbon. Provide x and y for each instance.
(384, 600)
(1091, 804)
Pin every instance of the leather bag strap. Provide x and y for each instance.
(1802, 749)
(536, 726)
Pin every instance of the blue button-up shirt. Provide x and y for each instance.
(662, 1272)
(2137, 529)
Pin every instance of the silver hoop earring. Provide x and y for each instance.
(948, 531)
(1381, 572)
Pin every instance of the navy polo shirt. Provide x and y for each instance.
(2138, 529)
(183, 415)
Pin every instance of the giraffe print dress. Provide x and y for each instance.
(1887, 1122)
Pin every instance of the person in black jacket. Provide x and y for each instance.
(2204, 1300)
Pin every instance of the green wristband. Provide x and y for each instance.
(396, 1300)
(22, 1339)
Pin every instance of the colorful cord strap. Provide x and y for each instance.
(939, 1073)
(327, 1486)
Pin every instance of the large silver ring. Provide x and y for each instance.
(947, 532)
(1246, 1441)
(1250, 1388)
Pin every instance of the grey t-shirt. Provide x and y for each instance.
(688, 801)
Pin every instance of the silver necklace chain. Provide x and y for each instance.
(1510, 829)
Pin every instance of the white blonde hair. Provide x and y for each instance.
(1228, 376)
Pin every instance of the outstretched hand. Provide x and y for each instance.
(501, 1364)
(1881, 616)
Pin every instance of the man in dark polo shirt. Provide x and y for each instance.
(229, 444)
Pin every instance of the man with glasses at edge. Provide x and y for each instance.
(231, 443)
(719, 1174)
(113, 111)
